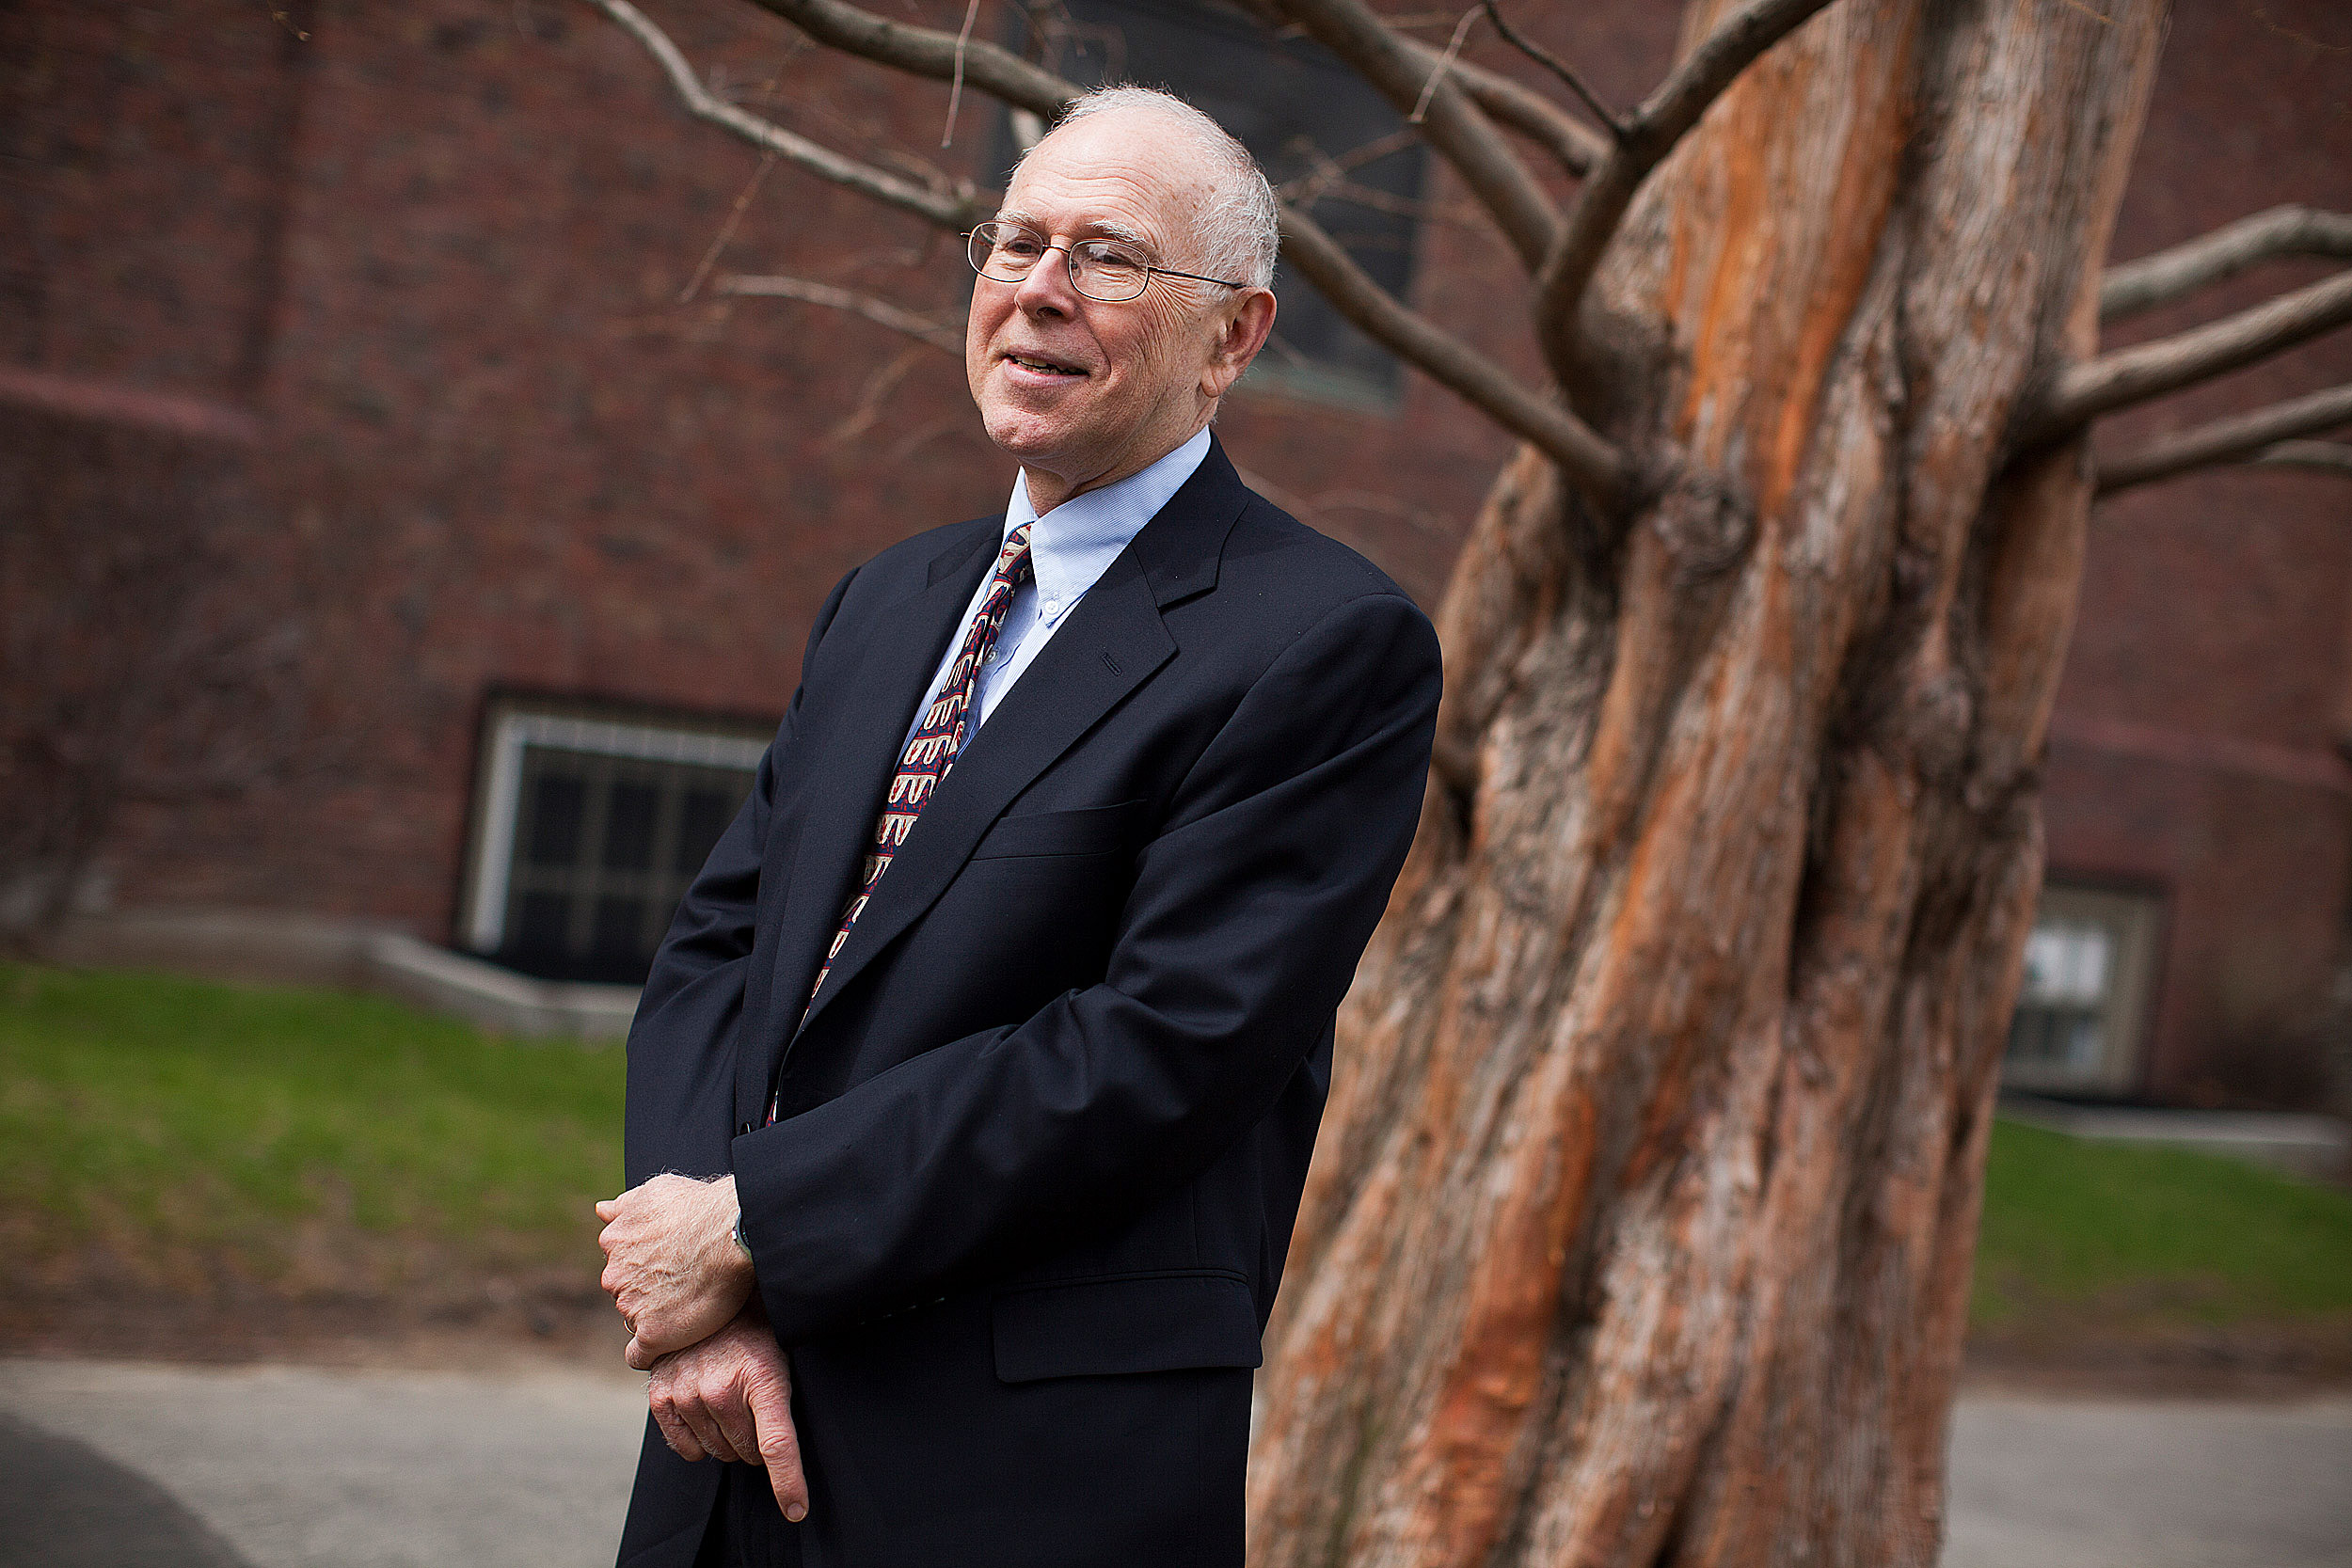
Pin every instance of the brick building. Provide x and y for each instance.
(421, 305)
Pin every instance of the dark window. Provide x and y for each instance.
(588, 826)
(1304, 116)
(612, 844)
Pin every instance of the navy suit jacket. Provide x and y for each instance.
(1043, 1132)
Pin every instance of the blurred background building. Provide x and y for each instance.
(406, 519)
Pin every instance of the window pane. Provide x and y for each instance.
(618, 934)
(606, 843)
(540, 921)
(628, 827)
(558, 802)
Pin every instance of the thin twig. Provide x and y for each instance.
(1575, 146)
(1457, 130)
(2232, 440)
(1559, 68)
(923, 329)
(955, 94)
(927, 52)
(1445, 63)
(726, 229)
(2266, 236)
(946, 211)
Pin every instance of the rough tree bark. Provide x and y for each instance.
(1641, 1225)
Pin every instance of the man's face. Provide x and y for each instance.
(1083, 392)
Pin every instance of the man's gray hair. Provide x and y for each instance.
(1240, 228)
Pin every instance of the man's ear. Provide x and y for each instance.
(1246, 325)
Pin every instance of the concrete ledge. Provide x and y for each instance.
(272, 948)
(2315, 1147)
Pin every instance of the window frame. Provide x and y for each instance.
(2135, 918)
(511, 724)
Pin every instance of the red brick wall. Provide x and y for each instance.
(436, 253)
(2193, 753)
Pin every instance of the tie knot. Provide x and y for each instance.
(1013, 563)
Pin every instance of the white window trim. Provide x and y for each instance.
(494, 863)
(2135, 920)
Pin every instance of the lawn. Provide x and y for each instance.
(2143, 1236)
(184, 1130)
(307, 1138)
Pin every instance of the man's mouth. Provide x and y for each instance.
(1043, 365)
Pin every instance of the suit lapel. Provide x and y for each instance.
(1112, 643)
(856, 757)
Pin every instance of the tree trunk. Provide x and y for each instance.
(1641, 1225)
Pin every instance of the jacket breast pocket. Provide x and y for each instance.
(1091, 830)
(1158, 1322)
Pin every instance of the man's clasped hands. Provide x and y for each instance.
(721, 1386)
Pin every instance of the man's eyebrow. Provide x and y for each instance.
(1104, 228)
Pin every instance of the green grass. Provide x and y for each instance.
(2152, 1234)
(294, 1136)
(189, 1127)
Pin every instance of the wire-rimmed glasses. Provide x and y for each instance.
(1111, 271)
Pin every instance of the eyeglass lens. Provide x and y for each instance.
(1097, 268)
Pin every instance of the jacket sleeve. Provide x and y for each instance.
(1247, 916)
(681, 1056)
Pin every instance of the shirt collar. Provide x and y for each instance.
(1071, 546)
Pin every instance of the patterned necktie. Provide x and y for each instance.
(931, 750)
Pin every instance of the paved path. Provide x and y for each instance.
(132, 1465)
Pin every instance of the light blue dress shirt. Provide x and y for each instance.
(1070, 548)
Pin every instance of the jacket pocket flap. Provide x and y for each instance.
(1087, 831)
(1144, 1323)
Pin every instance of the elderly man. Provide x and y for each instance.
(973, 1090)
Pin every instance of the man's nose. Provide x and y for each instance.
(1047, 285)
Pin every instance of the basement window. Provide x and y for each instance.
(2083, 1001)
(588, 827)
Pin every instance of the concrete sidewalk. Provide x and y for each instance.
(131, 1465)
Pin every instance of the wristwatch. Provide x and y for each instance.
(740, 1240)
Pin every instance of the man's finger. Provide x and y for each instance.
(674, 1432)
(696, 1415)
(734, 1419)
(779, 1447)
(638, 1356)
(607, 1208)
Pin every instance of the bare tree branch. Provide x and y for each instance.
(1596, 465)
(2230, 440)
(927, 52)
(2145, 370)
(1592, 461)
(940, 334)
(2331, 456)
(1454, 125)
(1573, 145)
(1558, 67)
(1642, 144)
(948, 211)
(2268, 236)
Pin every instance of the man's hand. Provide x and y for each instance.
(671, 1265)
(730, 1397)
